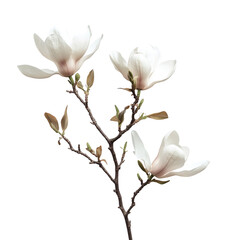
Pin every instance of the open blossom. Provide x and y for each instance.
(171, 156)
(68, 57)
(144, 64)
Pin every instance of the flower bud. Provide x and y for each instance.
(77, 77)
(53, 122)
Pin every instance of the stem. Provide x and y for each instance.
(110, 142)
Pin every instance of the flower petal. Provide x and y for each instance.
(57, 48)
(163, 72)
(140, 150)
(34, 72)
(119, 63)
(140, 67)
(160, 161)
(80, 44)
(171, 138)
(151, 53)
(174, 157)
(91, 50)
(188, 173)
(40, 44)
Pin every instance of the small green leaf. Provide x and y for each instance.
(160, 182)
(125, 146)
(158, 116)
(114, 118)
(139, 177)
(117, 110)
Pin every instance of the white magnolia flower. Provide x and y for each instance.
(144, 64)
(171, 156)
(68, 57)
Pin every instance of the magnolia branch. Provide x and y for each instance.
(91, 161)
(110, 141)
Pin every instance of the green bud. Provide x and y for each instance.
(89, 147)
(139, 177)
(77, 77)
(64, 121)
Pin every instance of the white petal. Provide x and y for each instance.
(139, 65)
(174, 157)
(58, 49)
(186, 151)
(163, 72)
(171, 138)
(34, 72)
(40, 44)
(151, 53)
(119, 63)
(188, 173)
(80, 44)
(91, 50)
(140, 150)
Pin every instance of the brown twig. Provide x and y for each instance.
(111, 142)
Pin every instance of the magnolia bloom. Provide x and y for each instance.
(171, 156)
(144, 65)
(68, 57)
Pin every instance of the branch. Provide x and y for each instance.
(135, 194)
(91, 161)
(85, 103)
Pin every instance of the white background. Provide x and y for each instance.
(50, 193)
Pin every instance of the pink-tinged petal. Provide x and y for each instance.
(91, 50)
(188, 173)
(58, 49)
(40, 44)
(140, 150)
(140, 68)
(163, 72)
(80, 44)
(34, 72)
(119, 64)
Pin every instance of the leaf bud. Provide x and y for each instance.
(99, 151)
(79, 85)
(90, 79)
(53, 122)
(158, 116)
(64, 121)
